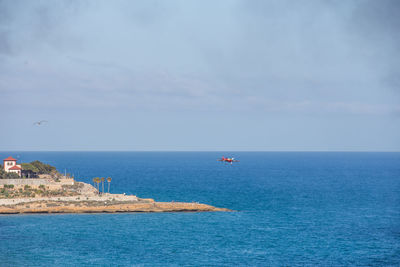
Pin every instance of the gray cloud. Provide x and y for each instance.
(266, 48)
(250, 59)
(377, 23)
(31, 23)
(5, 47)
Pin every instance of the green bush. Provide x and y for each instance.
(8, 175)
(42, 168)
(35, 166)
(29, 166)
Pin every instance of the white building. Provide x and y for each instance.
(10, 165)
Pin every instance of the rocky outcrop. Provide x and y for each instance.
(104, 207)
(79, 197)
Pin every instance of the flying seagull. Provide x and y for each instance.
(39, 122)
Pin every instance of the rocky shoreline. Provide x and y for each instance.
(98, 207)
(78, 197)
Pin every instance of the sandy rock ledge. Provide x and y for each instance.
(55, 206)
(79, 197)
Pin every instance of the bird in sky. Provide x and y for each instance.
(40, 122)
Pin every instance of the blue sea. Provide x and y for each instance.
(291, 209)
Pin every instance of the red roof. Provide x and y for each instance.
(10, 159)
(15, 168)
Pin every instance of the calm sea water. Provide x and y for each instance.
(326, 209)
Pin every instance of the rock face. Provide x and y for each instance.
(101, 207)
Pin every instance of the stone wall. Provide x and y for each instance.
(98, 198)
(36, 181)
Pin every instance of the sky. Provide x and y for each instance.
(185, 75)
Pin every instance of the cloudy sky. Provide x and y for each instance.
(200, 75)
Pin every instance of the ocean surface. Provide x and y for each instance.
(292, 209)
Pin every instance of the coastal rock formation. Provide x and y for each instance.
(52, 206)
(78, 197)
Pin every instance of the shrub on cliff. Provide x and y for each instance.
(7, 175)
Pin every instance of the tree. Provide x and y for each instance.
(102, 183)
(98, 184)
(43, 168)
(8, 175)
(96, 180)
(13, 175)
(109, 181)
(29, 166)
(2, 173)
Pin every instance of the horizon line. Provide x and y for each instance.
(272, 151)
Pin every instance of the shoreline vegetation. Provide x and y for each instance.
(54, 193)
(33, 169)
